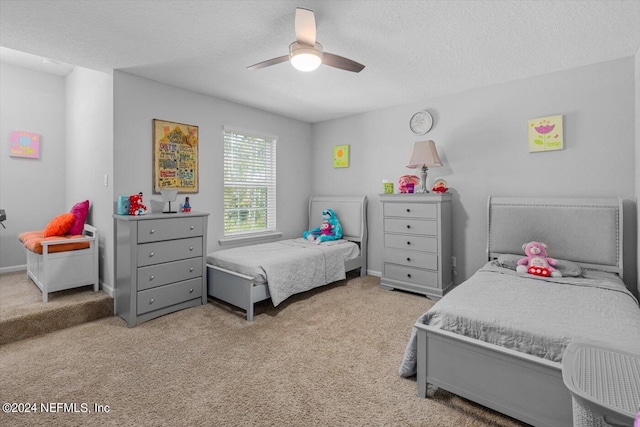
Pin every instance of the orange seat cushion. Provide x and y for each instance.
(32, 240)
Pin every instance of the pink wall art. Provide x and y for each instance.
(24, 144)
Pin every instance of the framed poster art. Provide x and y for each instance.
(175, 156)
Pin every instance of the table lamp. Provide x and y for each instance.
(169, 195)
(424, 155)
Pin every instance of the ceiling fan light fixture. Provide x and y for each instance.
(304, 57)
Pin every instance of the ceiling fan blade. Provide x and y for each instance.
(305, 26)
(341, 62)
(268, 63)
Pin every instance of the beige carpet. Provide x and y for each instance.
(325, 358)
(24, 315)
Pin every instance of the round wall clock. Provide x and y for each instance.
(421, 122)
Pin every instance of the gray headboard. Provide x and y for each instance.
(352, 213)
(586, 231)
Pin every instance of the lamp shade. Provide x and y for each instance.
(424, 153)
(169, 194)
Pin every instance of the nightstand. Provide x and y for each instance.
(417, 243)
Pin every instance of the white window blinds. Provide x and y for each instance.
(249, 183)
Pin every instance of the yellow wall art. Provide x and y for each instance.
(545, 134)
(341, 156)
(175, 156)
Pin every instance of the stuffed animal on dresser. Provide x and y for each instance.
(136, 206)
(330, 229)
(537, 262)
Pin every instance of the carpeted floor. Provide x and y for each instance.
(24, 315)
(328, 357)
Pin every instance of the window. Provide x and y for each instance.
(249, 183)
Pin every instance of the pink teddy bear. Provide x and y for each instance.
(537, 262)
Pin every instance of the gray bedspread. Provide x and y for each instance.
(535, 315)
(289, 266)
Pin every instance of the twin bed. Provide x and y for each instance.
(246, 275)
(498, 338)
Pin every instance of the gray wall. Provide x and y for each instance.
(481, 136)
(89, 154)
(32, 191)
(137, 101)
(637, 119)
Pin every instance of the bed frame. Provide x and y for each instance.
(241, 291)
(59, 271)
(528, 388)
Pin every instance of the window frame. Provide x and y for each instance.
(270, 229)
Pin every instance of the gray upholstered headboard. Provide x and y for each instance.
(586, 231)
(352, 213)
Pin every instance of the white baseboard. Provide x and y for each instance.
(108, 289)
(12, 269)
(374, 273)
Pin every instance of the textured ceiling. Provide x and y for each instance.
(412, 50)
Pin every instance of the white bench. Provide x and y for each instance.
(57, 271)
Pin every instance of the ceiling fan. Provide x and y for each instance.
(306, 53)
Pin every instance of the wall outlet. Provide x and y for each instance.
(453, 262)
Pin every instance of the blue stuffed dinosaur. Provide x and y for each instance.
(330, 229)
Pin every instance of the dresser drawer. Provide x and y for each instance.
(411, 226)
(172, 250)
(412, 258)
(411, 210)
(415, 243)
(155, 230)
(164, 296)
(162, 274)
(411, 275)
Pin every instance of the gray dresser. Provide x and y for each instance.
(417, 243)
(160, 264)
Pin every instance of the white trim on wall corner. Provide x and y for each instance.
(109, 290)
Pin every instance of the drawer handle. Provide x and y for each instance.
(408, 210)
(153, 230)
(408, 243)
(191, 290)
(191, 269)
(152, 277)
(409, 259)
(409, 276)
(191, 248)
(151, 255)
(191, 228)
(408, 226)
(151, 301)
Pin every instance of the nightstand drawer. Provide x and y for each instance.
(411, 275)
(162, 274)
(411, 210)
(172, 250)
(415, 243)
(412, 226)
(164, 296)
(156, 230)
(412, 258)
